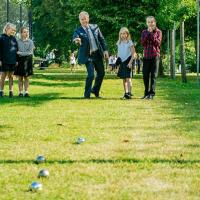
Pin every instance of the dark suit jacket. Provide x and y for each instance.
(84, 50)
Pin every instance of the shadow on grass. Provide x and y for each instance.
(91, 98)
(2, 127)
(55, 84)
(60, 77)
(193, 145)
(108, 161)
(34, 100)
(37, 99)
(73, 77)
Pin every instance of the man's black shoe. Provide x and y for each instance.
(145, 97)
(151, 97)
(95, 94)
(86, 97)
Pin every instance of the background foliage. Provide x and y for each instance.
(55, 21)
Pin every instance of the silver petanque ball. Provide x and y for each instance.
(40, 159)
(43, 173)
(80, 140)
(35, 186)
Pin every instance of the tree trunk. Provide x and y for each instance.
(161, 67)
(172, 54)
(30, 20)
(182, 53)
(168, 50)
(8, 11)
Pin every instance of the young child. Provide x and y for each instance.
(110, 62)
(125, 54)
(151, 39)
(25, 66)
(72, 62)
(8, 57)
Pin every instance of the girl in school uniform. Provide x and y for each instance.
(25, 66)
(8, 57)
(72, 62)
(126, 52)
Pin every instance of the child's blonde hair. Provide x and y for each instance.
(7, 26)
(124, 29)
(22, 29)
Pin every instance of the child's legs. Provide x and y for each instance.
(125, 84)
(129, 84)
(2, 80)
(72, 67)
(26, 83)
(20, 84)
(10, 77)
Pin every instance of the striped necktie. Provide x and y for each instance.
(89, 37)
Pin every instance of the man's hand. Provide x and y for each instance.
(0, 63)
(150, 29)
(77, 40)
(105, 53)
(16, 64)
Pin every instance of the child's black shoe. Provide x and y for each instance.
(1, 93)
(27, 95)
(130, 94)
(126, 96)
(11, 94)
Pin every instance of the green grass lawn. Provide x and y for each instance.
(134, 149)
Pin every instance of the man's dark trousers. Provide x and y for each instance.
(95, 62)
(150, 73)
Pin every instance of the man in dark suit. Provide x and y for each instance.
(92, 50)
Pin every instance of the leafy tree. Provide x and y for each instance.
(55, 21)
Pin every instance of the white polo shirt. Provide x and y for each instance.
(124, 49)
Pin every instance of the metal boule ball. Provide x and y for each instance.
(43, 173)
(80, 140)
(35, 186)
(40, 159)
